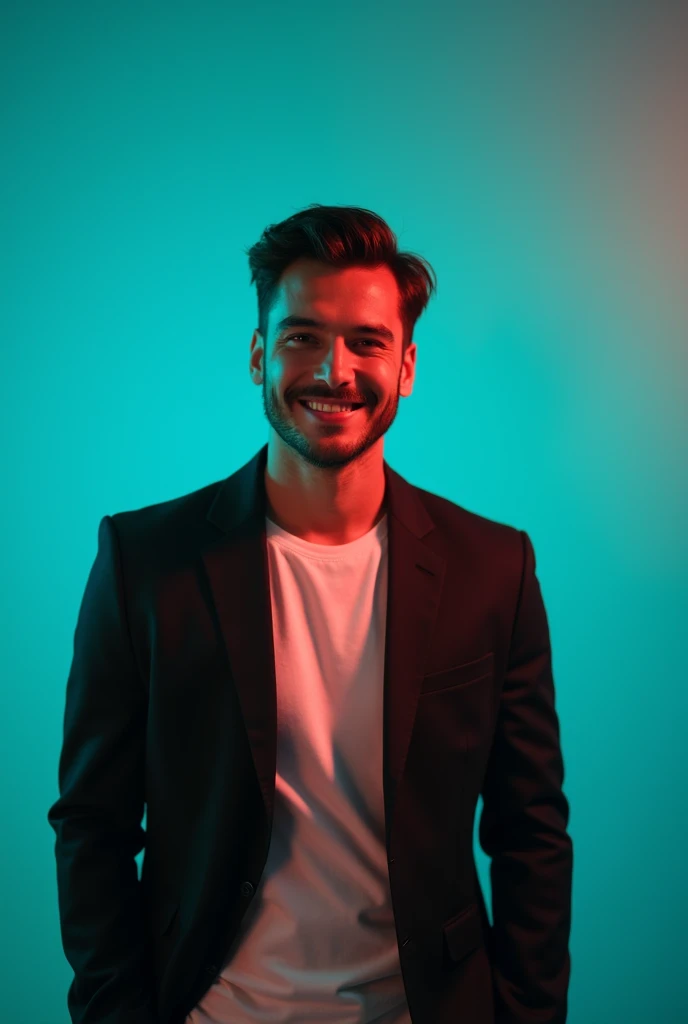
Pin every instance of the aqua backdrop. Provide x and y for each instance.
(537, 155)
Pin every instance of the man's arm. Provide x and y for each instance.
(97, 818)
(523, 827)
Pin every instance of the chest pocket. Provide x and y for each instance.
(461, 701)
(459, 675)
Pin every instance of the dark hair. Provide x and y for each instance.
(343, 236)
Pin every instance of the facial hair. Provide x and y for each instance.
(328, 447)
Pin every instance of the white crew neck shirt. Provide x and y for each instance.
(318, 942)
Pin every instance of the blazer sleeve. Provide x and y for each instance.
(97, 818)
(523, 826)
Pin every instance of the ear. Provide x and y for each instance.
(255, 364)
(408, 371)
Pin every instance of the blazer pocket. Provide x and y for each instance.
(459, 675)
(463, 933)
(164, 916)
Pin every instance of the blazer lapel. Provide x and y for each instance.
(237, 567)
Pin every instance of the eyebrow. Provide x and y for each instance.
(306, 321)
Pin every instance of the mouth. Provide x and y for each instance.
(332, 417)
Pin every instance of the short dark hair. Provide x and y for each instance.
(343, 236)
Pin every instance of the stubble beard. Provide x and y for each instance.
(336, 449)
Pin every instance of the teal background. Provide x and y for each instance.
(537, 155)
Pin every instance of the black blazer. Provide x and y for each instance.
(171, 707)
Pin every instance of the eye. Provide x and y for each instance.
(360, 341)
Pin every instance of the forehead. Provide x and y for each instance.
(338, 293)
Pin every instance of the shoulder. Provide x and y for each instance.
(174, 525)
(474, 537)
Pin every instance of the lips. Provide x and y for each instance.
(325, 401)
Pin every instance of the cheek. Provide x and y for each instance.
(276, 384)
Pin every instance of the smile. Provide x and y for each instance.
(339, 416)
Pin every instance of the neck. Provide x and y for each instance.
(325, 506)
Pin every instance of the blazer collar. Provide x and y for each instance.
(241, 499)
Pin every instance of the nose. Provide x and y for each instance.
(336, 369)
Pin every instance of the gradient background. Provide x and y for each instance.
(537, 155)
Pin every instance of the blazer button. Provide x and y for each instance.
(211, 969)
(246, 889)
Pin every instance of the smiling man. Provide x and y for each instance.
(308, 672)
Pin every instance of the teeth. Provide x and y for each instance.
(329, 408)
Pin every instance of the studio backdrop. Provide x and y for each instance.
(537, 156)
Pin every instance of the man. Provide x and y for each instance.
(308, 673)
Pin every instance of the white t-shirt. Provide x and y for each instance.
(318, 942)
